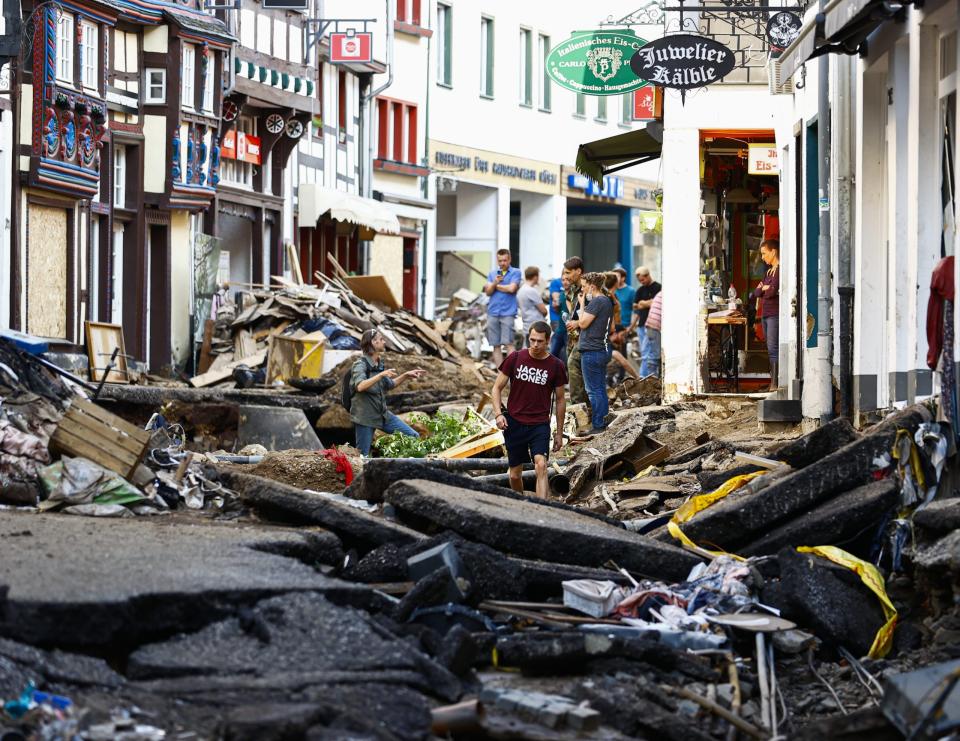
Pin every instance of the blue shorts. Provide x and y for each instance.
(525, 441)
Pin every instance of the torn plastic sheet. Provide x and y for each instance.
(77, 481)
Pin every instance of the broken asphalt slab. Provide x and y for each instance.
(854, 513)
(817, 444)
(752, 511)
(83, 582)
(285, 503)
(530, 530)
(289, 635)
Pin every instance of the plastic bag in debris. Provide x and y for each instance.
(339, 339)
(592, 597)
(74, 481)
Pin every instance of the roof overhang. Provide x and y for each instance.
(841, 28)
(601, 157)
(314, 201)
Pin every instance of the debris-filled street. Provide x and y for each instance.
(226, 565)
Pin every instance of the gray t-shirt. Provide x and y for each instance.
(595, 337)
(529, 299)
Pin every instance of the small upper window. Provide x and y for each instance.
(155, 86)
(88, 52)
(188, 75)
(65, 48)
(207, 104)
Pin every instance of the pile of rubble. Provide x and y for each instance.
(677, 585)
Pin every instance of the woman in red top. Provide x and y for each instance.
(768, 291)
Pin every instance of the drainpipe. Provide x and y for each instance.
(366, 110)
(823, 376)
(425, 186)
(845, 228)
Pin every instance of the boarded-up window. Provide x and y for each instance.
(46, 271)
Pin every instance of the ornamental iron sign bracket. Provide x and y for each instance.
(317, 27)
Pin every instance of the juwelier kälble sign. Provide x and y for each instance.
(596, 62)
(682, 61)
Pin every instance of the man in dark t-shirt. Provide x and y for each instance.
(534, 376)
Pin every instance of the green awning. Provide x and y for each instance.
(599, 158)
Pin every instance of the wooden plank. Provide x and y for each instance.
(466, 450)
(84, 425)
(109, 418)
(243, 344)
(66, 442)
(434, 336)
(294, 260)
(211, 377)
(205, 357)
(757, 460)
(373, 288)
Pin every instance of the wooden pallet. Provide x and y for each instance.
(91, 432)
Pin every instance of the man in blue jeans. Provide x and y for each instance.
(502, 286)
(594, 320)
(370, 381)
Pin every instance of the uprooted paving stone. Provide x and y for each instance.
(750, 512)
(850, 519)
(827, 599)
(357, 529)
(78, 582)
(289, 635)
(530, 530)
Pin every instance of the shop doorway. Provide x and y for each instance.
(740, 211)
(410, 263)
(595, 238)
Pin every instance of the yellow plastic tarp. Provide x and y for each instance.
(699, 503)
(871, 577)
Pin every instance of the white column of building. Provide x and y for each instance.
(429, 264)
(537, 236)
(901, 278)
(559, 247)
(923, 207)
(870, 250)
(681, 263)
(503, 222)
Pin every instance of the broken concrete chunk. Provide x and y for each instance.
(276, 428)
(528, 529)
(940, 516)
(818, 444)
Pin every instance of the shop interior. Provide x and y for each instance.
(739, 209)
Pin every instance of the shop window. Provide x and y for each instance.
(88, 53)
(207, 104)
(408, 11)
(188, 75)
(526, 64)
(486, 57)
(626, 109)
(397, 133)
(65, 48)
(234, 169)
(444, 44)
(545, 82)
(155, 86)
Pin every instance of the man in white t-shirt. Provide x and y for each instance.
(532, 308)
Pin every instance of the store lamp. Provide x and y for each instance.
(739, 195)
(772, 203)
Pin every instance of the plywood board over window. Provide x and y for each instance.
(47, 236)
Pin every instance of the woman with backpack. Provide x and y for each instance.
(594, 322)
(367, 389)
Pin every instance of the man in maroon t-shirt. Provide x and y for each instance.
(534, 376)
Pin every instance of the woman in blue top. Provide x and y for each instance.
(594, 322)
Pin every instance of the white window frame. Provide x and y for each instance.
(188, 74)
(119, 195)
(545, 94)
(206, 104)
(88, 47)
(65, 43)
(487, 56)
(236, 172)
(444, 37)
(148, 97)
(526, 72)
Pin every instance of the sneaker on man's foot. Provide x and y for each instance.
(595, 431)
(608, 420)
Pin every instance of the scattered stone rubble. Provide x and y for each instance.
(380, 599)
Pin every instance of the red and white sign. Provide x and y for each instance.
(346, 48)
(645, 104)
(240, 146)
(763, 160)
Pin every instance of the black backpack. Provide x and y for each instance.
(346, 388)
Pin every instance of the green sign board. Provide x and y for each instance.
(596, 62)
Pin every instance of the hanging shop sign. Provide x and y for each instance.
(647, 104)
(762, 159)
(346, 48)
(783, 29)
(239, 146)
(612, 186)
(682, 61)
(596, 63)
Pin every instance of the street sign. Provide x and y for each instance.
(351, 47)
(762, 159)
(647, 104)
(683, 61)
(285, 4)
(596, 62)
